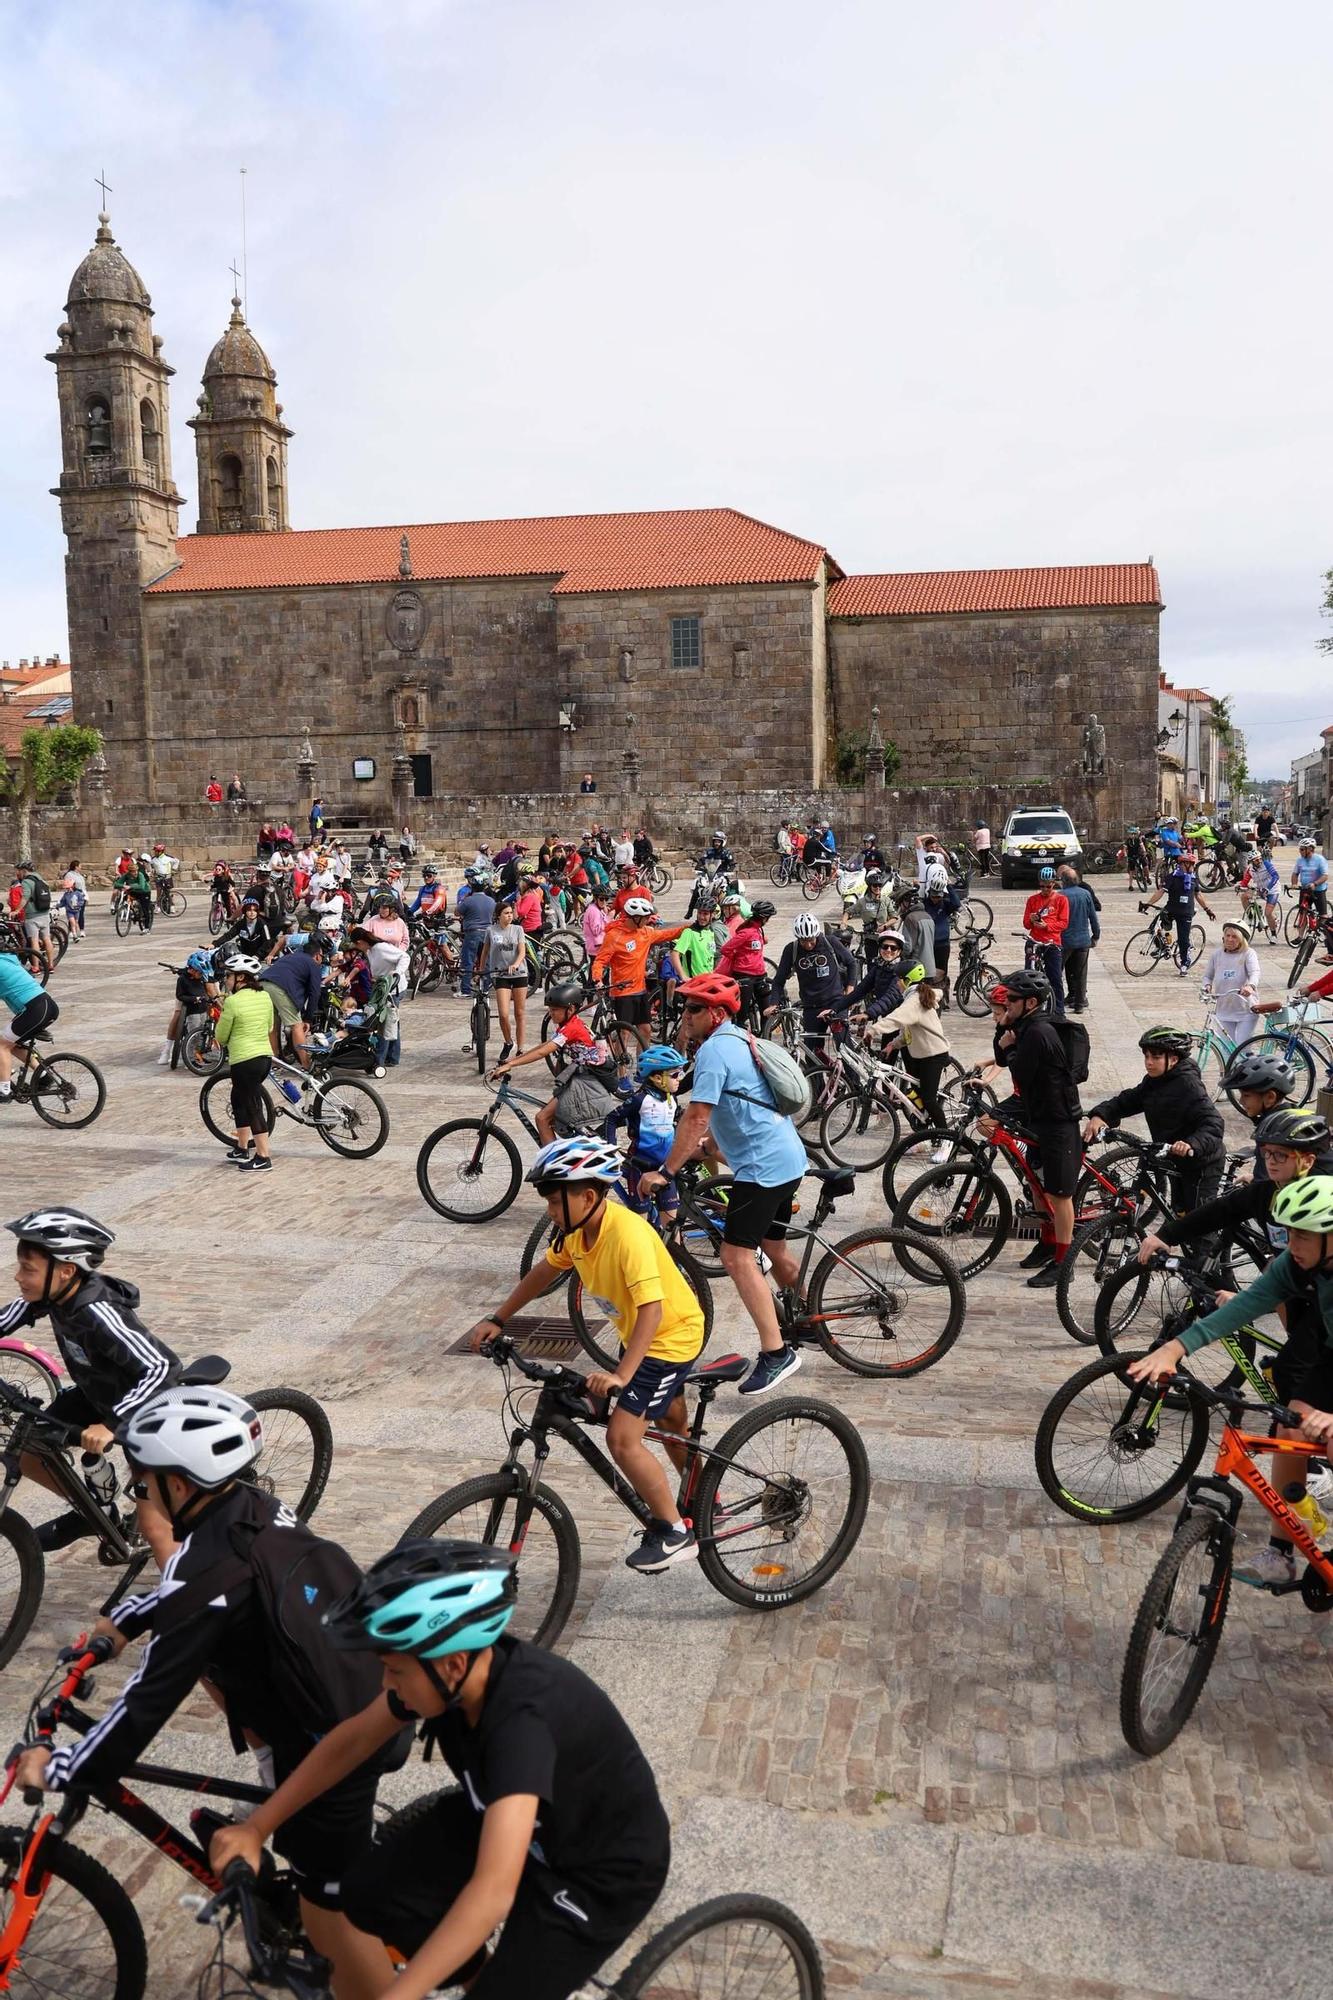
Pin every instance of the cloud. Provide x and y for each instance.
(946, 287)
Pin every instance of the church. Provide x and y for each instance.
(707, 649)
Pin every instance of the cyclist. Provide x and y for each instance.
(825, 973)
(872, 856)
(295, 984)
(1174, 1100)
(883, 987)
(1046, 1104)
(1262, 878)
(876, 905)
(1289, 1144)
(164, 866)
(1259, 1082)
(596, 920)
(1182, 891)
(1046, 919)
(649, 1116)
(730, 1099)
(139, 886)
(1303, 1371)
(695, 950)
(940, 904)
(1310, 876)
(190, 1449)
(557, 1832)
(1231, 980)
(623, 961)
(431, 902)
(114, 1363)
(621, 1259)
(252, 933)
(1168, 837)
(1136, 855)
(475, 909)
(195, 985)
(223, 888)
(925, 1044)
(742, 957)
(31, 1007)
(584, 1094)
(36, 912)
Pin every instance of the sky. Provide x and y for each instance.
(947, 287)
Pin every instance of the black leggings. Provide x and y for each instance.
(247, 1095)
(927, 1071)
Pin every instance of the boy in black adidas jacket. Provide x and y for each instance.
(1180, 1114)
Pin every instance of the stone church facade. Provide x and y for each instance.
(698, 649)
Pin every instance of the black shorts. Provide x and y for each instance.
(39, 1012)
(632, 1010)
(654, 1387)
(1304, 1368)
(511, 980)
(1057, 1156)
(323, 1841)
(71, 1406)
(757, 1214)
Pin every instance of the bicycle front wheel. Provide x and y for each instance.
(297, 1456)
(974, 999)
(547, 1544)
(215, 1107)
(730, 1948)
(123, 919)
(1293, 924)
(859, 1129)
(1109, 1449)
(22, 1579)
(539, 1236)
(176, 904)
(964, 1208)
(781, 1502)
(68, 1091)
(469, 1171)
(1097, 1252)
(86, 1942)
(1300, 1059)
(1176, 1633)
(1143, 954)
(874, 1311)
(201, 1051)
(350, 1117)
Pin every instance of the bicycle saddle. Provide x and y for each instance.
(727, 1368)
(42, 1035)
(837, 1180)
(206, 1372)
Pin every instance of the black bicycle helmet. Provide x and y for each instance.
(763, 911)
(1027, 985)
(66, 1234)
(1166, 1041)
(1258, 1071)
(565, 993)
(1303, 1131)
(907, 897)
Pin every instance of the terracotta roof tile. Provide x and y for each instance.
(657, 551)
(932, 593)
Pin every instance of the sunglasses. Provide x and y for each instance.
(696, 1007)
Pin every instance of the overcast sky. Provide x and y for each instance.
(955, 286)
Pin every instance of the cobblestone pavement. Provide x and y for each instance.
(925, 1759)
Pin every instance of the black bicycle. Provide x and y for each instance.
(62, 1088)
(294, 1465)
(350, 1117)
(777, 1504)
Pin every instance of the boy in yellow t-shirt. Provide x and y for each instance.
(621, 1259)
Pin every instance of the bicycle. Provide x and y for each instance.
(975, 976)
(816, 877)
(294, 1465)
(756, 1516)
(455, 1160)
(1178, 1626)
(784, 871)
(64, 1089)
(350, 1117)
(735, 1947)
(1297, 1041)
(130, 914)
(1147, 949)
(479, 1023)
(168, 898)
(1302, 919)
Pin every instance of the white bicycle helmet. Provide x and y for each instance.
(806, 926)
(244, 962)
(571, 1161)
(206, 1434)
(66, 1234)
(638, 906)
(937, 881)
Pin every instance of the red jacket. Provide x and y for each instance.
(1046, 916)
(742, 956)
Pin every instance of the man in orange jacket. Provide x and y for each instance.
(624, 955)
(1046, 919)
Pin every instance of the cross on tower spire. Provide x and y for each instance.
(235, 276)
(99, 180)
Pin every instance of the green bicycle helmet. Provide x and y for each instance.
(1306, 1203)
(1303, 1131)
(428, 1598)
(1166, 1041)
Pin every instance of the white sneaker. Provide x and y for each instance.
(942, 1152)
(1319, 1486)
(165, 1056)
(1265, 1567)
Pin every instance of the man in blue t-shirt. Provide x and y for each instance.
(1168, 839)
(475, 910)
(1310, 876)
(730, 1100)
(31, 1006)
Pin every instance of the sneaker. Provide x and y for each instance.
(1319, 1486)
(1039, 1254)
(164, 1055)
(769, 1370)
(1266, 1568)
(506, 1050)
(246, 1163)
(1184, 972)
(1046, 1279)
(64, 1529)
(661, 1546)
(235, 1154)
(264, 1166)
(6, 1095)
(943, 1152)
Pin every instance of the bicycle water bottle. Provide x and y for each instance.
(1305, 1504)
(99, 1476)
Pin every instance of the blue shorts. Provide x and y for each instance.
(654, 1387)
(666, 1197)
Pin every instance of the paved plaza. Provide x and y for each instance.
(925, 1760)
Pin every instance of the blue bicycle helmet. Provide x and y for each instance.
(200, 962)
(1046, 874)
(657, 1059)
(428, 1598)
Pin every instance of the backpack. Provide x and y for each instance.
(1078, 1049)
(39, 899)
(788, 1084)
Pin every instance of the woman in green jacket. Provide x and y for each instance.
(243, 1030)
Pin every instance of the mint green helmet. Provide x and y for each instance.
(428, 1598)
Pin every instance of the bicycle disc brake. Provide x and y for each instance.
(1315, 1593)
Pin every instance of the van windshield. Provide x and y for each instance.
(1035, 825)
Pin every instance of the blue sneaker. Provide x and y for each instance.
(660, 1546)
(769, 1370)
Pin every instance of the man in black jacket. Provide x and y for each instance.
(1046, 1106)
(825, 974)
(114, 1362)
(1174, 1100)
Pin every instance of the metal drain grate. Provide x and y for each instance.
(539, 1339)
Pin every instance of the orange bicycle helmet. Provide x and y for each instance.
(713, 989)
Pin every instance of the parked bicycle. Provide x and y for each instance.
(350, 1117)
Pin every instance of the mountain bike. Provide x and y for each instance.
(130, 914)
(63, 1089)
(469, 1169)
(1149, 948)
(167, 898)
(786, 869)
(294, 1465)
(350, 1117)
(479, 1023)
(777, 1505)
(1178, 1626)
(1302, 919)
(737, 1947)
(975, 976)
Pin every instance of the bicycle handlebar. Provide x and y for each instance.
(28, 1406)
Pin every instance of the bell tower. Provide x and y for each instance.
(118, 501)
(240, 438)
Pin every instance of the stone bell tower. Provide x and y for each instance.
(118, 501)
(240, 438)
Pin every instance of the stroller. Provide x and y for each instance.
(356, 1041)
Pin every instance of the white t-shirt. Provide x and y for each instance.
(164, 864)
(75, 882)
(624, 854)
(1225, 974)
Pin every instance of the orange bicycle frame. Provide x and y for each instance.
(1236, 1453)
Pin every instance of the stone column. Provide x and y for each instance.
(305, 773)
(402, 780)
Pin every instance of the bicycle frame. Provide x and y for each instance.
(113, 1544)
(1236, 1453)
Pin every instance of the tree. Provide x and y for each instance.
(1326, 609)
(849, 758)
(50, 761)
(1233, 741)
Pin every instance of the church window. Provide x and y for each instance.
(148, 436)
(686, 645)
(274, 494)
(99, 427)
(229, 490)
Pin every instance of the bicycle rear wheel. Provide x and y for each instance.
(859, 1128)
(1300, 1059)
(350, 1117)
(480, 1028)
(215, 1107)
(469, 1171)
(298, 1448)
(1109, 1449)
(1096, 1253)
(981, 913)
(963, 1208)
(1176, 1633)
(67, 1091)
(781, 1502)
(703, 1217)
(549, 1559)
(22, 1578)
(873, 1311)
(730, 1948)
(539, 1237)
(1304, 953)
(86, 1942)
(607, 1351)
(974, 995)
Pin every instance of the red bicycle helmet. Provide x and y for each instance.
(714, 989)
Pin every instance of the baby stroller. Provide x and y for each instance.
(357, 1041)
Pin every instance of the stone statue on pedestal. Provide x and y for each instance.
(1094, 747)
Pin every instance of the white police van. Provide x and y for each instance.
(1036, 837)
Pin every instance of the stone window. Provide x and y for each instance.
(274, 495)
(148, 436)
(686, 643)
(229, 490)
(99, 427)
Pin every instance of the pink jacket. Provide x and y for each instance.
(595, 922)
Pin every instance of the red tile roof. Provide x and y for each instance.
(934, 593)
(659, 551)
